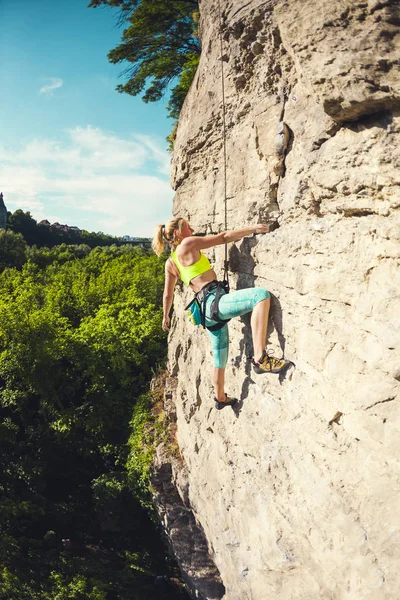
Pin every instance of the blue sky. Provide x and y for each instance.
(72, 149)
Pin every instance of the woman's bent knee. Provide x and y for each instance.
(261, 294)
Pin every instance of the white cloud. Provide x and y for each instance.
(162, 156)
(55, 82)
(91, 179)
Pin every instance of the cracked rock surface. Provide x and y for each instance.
(297, 491)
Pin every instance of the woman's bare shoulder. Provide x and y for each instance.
(170, 267)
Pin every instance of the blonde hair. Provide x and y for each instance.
(164, 234)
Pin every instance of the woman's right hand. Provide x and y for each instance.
(261, 228)
(166, 323)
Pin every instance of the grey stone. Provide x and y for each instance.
(293, 503)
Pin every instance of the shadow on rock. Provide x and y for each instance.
(242, 263)
(276, 322)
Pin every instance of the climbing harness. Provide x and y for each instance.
(197, 307)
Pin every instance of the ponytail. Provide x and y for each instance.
(158, 243)
(165, 234)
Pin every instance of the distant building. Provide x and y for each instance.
(56, 225)
(3, 213)
(137, 241)
(60, 227)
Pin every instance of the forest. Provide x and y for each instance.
(80, 341)
(39, 235)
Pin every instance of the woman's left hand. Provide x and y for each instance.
(166, 323)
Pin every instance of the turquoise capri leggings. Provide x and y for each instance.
(231, 305)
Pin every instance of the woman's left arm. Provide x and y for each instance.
(168, 296)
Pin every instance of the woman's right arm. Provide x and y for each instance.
(234, 235)
(168, 296)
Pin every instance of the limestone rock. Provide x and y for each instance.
(185, 535)
(297, 490)
(348, 51)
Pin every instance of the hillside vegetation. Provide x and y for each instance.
(80, 339)
(38, 234)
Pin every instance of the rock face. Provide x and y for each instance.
(297, 490)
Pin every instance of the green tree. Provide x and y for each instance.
(23, 222)
(161, 44)
(13, 250)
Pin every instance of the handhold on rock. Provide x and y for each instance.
(240, 82)
(336, 417)
(256, 48)
(282, 137)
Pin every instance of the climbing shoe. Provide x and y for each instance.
(228, 402)
(270, 364)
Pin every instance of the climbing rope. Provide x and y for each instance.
(226, 262)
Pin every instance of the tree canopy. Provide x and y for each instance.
(160, 43)
(49, 235)
(13, 250)
(80, 339)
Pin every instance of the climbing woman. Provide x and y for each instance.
(189, 264)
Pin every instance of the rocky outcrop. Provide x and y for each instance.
(297, 490)
(185, 536)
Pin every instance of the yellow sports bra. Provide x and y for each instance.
(189, 273)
